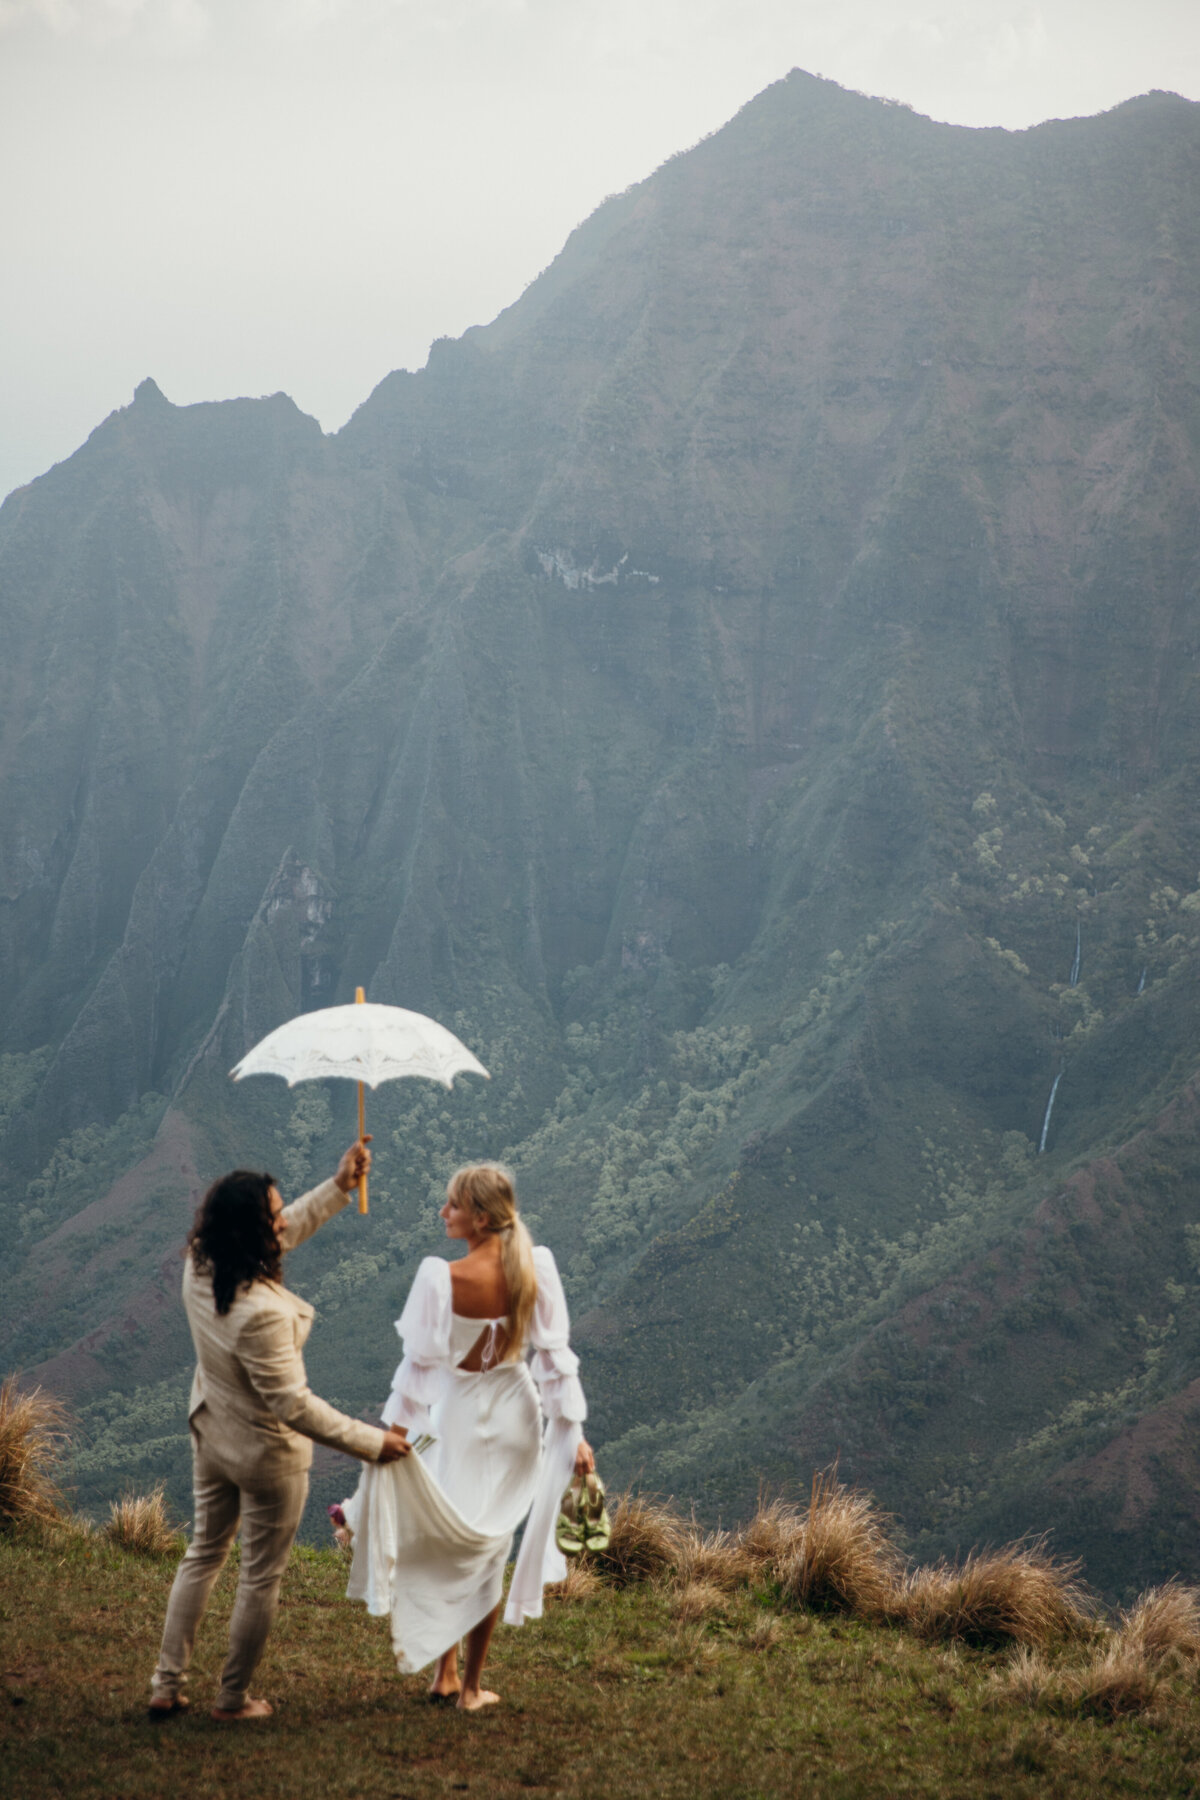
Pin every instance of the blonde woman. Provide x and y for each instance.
(432, 1535)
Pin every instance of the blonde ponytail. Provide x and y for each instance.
(520, 1277)
(490, 1190)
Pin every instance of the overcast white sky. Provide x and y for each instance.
(238, 196)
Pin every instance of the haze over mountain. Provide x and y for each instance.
(749, 691)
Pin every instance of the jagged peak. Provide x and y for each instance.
(148, 393)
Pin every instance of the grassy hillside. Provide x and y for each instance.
(804, 1650)
(611, 1698)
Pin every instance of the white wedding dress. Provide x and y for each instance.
(434, 1530)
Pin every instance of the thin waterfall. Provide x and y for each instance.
(1049, 1110)
(1141, 981)
(1078, 953)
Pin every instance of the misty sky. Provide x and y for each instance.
(238, 196)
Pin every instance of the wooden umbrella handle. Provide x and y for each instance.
(362, 1126)
(360, 997)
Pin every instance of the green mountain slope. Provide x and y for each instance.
(749, 691)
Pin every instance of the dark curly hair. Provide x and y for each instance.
(233, 1236)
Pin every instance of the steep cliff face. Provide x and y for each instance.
(750, 688)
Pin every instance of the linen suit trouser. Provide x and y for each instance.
(269, 1514)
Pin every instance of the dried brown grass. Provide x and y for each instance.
(1113, 1684)
(1026, 1679)
(1116, 1681)
(32, 1433)
(837, 1554)
(1164, 1623)
(772, 1535)
(764, 1633)
(139, 1523)
(693, 1646)
(842, 1559)
(1019, 1594)
(648, 1540)
(720, 1560)
(582, 1583)
(698, 1600)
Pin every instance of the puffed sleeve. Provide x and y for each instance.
(554, 1365)
(424, 1327)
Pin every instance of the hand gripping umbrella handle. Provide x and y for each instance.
(360, 997)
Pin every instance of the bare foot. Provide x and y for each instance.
(472, 1702)
(253, 1709)
(446, 1685)
(441, 1693)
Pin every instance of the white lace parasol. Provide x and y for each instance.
(364, 1043)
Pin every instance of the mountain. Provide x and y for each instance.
(749, 691)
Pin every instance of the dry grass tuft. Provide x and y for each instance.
(582, 1583)
(693, 1647)
(1163, 1623)
(764, 1633)
(139, 1523)
(1113, 1684)
(844, 1559)
(32, 1432)
(698, 1600)
(773, 1535)
(719, 1560)
(648, 1539)
(1026, 1679)
(1016, 1595)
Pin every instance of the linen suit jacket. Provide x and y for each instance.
(251, 1403)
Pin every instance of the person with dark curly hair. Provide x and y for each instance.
(253, 1420)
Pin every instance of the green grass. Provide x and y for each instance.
(608, 1697)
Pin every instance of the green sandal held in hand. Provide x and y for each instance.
(583, 1521)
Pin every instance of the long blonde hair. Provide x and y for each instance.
(489, 1189)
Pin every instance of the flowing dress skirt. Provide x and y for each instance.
(433, 1532)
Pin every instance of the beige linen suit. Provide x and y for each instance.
(253, 1419)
